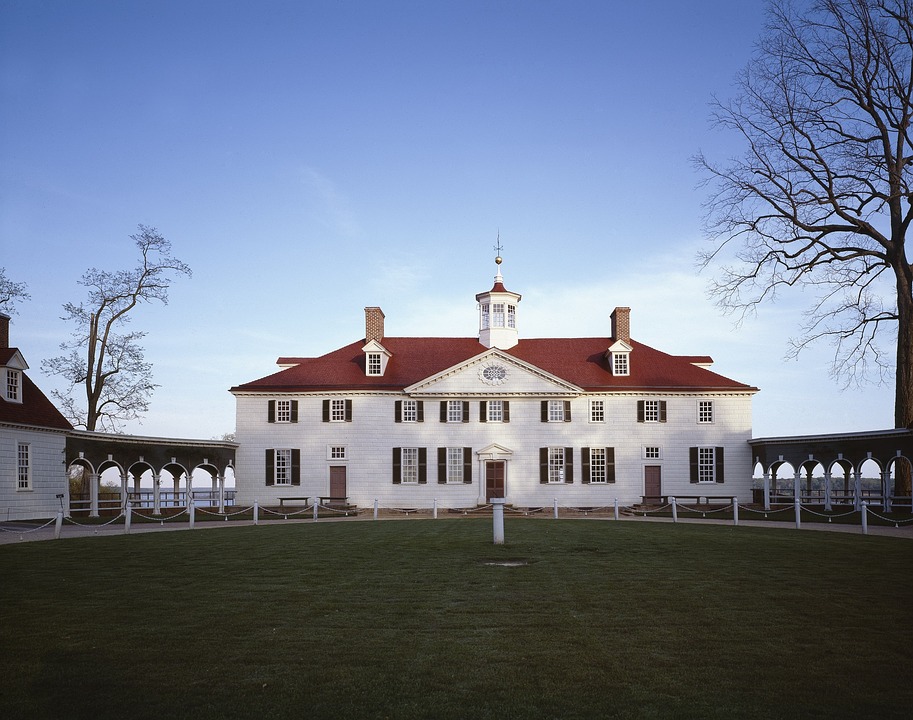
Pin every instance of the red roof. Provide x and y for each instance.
(580, 361)
(35, 408)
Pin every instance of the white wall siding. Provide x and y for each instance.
(49, 477)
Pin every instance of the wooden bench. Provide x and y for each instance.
(335, 502)
(291, 499)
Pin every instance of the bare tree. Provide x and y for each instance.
(109, 366)
(10, 293)
(822, 197)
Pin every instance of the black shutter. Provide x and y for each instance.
(544, 415)
(296, 466)
(422, 466)
(585, 465)
(326, 411)
(483, 411)
(567, 411)
(271, 412)
(294, 405)
(443, 411)
(398, 411)
(420, 410)
(506, 406)
(348, 411)
(719, 465)
(467, 466)
(692, 458)
(640, 411)
(397, 466)
(270, 467)
(662, 411)
(543, 465)
(569, 465)
(465, 411)
(610, 464)
(441, 466)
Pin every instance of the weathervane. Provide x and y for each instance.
(498, 249)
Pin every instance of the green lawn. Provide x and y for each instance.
(407, 620)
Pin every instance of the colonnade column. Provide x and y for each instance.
(94, 480)
(767, 489)
(857, 490)
(156, 493)
(221, 482)
(886, 490)
(827, 491)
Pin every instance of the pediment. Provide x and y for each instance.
(620, 346)
(16, 362)
(491, 374)
(494, 452)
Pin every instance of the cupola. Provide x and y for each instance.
(498, 314)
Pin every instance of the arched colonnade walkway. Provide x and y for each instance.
(838, 455)
(132, 456)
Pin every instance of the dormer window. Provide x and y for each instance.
(376, 359)
(620, 364)
(619, 358)
(374, 363)
(13, 385)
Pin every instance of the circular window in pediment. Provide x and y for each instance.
(493, 374)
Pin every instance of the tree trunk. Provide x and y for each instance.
(903, 387)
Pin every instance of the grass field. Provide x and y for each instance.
(411, 620)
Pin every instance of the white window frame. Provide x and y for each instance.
(283, 411)
(23, 467)
(597, 411)
(13, 391)
(455, 465)
(410, 411)
(408, 466)
(495, 411)
(556, 410)
(621, 365)
(337, 410)
(497, 315)
(512, 316)
(598, 474)
(454, 411)
(556, 465)
(375, 363)
(337, 452)
(706, 465)
(705, 412)
(282, 466)
(653, 452)
(486, 317)
(651, 411)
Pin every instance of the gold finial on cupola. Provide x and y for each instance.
(498, 249)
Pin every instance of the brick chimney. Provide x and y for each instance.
(621, 324)
(374, 324)
(4, 331)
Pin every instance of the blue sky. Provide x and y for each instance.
(310, 158)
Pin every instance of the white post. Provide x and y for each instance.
(128, 518)
(556, 508)
(94, 481)
(434, 509)
(316, 505)
(192, 512)
(798, 510)
(797, 486)
(857, 490)
(735, 511)
(156, 493)
(375, 508)
(827, 492)
(767, 490)
(616, 508)
(221, 493)
(886, 490)
(256, 512)
(497, 514)
(865, 518)
(674, 509)
(58, 524)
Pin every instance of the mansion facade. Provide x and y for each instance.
(412, 422)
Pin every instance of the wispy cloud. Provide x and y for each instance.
(329, 205)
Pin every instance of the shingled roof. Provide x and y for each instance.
(580, 361)
(35, 409)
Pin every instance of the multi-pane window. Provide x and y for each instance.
(24, 467)
(556, 464)
(556, 411)
(652, 452)
(495, 411)
(455, 465)
(454, 411)
(598, 465)
(337, 452)
(410, 411)
(13, 383)
(705, 411)
(597, 411)
(511, 316)
(373, 363)
(283, 411)
(651, 410)
(485, 316)
(337, 410)
(497, 314)
(620, 364)
(409, 466)
(283, 467)
(706, 465)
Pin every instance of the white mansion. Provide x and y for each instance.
(413, 421)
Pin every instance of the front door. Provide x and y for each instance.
(653, 481)
(337, 481)
(494, 479)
